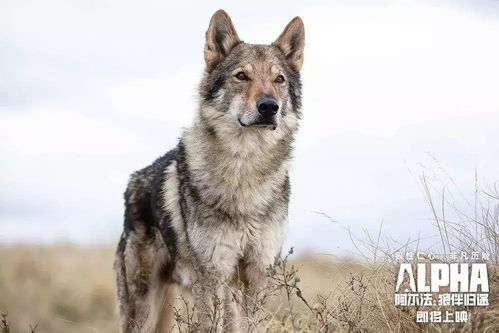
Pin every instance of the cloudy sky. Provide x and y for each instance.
(92, 90)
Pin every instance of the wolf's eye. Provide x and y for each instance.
(241, 76)
(279, 79)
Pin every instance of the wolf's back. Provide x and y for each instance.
(143, 202)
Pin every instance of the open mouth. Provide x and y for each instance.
(266, 123)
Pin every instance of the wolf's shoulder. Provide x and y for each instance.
(148, 175)
(143, 192)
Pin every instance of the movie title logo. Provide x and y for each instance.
(450, 286)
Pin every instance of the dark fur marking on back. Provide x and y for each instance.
(144, 202)
(161, 215)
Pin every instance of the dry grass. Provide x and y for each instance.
(62, 288)
(68, 288)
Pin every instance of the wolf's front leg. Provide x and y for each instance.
(209, 297)
(233, 300)
(216, 254)
(260, 256)
(253, 296)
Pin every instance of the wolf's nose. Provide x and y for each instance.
(267, 106)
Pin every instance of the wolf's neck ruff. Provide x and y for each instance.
(244, 169)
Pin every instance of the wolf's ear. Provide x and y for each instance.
(292, 41)
(221, 37)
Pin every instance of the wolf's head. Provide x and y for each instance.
(249, 87)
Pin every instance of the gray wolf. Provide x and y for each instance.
(215, 207)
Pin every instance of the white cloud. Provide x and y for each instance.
(59, 129)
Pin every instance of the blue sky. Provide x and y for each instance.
(90, 91)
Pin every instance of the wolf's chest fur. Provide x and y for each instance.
(241, 177)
